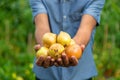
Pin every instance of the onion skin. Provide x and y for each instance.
(74, 50)
(64, 38)
(55, 50)
(49, 39)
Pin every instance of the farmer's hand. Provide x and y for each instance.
(42, 61)
(66, 62)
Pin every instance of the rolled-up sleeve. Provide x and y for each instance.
(94, 9)
(37, 7)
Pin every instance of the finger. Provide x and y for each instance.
(40, 61)
(56, 64)
(52, 62)
(73, 61)
(65, 59)
(47, 62)
(37, 47)
(82, 47)
(60, 62)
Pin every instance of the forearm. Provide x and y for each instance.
(84, 32)
(41, 27)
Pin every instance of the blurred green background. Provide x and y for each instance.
(17, 41)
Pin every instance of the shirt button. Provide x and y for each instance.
(64, 17)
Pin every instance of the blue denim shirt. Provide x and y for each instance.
(65, 15)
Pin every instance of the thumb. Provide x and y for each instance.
(82, 47)
(37, 47)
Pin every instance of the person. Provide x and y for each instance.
(79, 18)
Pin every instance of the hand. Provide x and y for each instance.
(66, 62)
(73, 61)
(42, 61)
(48, 61)
(63, 61)
(45, 62)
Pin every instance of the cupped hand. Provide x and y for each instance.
(43, 61)
(66, 62)
(63, 61)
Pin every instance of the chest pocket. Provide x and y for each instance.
(75, 16)
(77, 9)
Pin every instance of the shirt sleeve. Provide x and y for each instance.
(37, 7)
(94, 9)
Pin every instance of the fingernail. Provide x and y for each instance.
(48, 57)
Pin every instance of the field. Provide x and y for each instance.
(17, 41)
